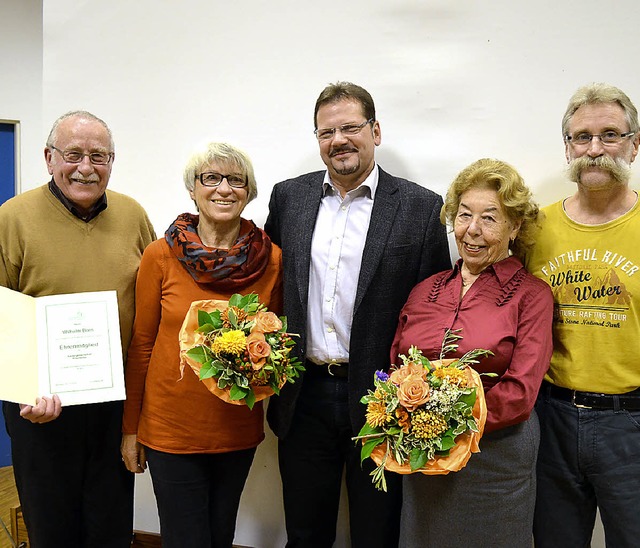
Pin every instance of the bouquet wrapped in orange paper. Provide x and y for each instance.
(424, 416)
(238, 349)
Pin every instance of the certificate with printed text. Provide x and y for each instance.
(67, 345)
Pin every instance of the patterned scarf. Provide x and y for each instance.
(225, 269)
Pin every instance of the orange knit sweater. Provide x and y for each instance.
(180, 415)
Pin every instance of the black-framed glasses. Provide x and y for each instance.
(212, 178)
(327, 133)
(75, 156)
(606, 138)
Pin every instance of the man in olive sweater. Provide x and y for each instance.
(71, 236)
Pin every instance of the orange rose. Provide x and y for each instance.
(258, 349)
(413, 392)
(402, 373)
(266, 322)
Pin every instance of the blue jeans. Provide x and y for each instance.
(198, 496)
(588, 459)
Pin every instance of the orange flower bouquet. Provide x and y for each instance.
(238, 349)
(424, 416)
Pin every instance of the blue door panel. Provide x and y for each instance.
(7, 190)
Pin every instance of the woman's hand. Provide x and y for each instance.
(133, 454)
(45, 410)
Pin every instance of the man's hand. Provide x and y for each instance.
(45, 410)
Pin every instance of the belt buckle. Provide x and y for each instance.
(337, 366)
(573, 402)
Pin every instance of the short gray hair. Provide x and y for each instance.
(222, 153)
(597, 93)
(84, 115)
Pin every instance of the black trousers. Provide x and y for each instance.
(198, 496)
(313, 457)
(74, 489)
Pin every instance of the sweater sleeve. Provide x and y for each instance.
(512, 398)
(275, 299)
(7, 272)
(145, 330)
(10, 244)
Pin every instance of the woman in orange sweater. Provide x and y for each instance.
(199, 448)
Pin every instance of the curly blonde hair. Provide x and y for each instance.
(515, 197)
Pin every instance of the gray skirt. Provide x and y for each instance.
(487, 504)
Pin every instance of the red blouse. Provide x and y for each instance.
(506, 310)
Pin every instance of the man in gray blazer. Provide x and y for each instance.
(355, 241)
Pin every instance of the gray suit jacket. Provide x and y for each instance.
(405, 244)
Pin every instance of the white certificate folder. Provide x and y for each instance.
(67, 345)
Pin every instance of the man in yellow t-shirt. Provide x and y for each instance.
(589, 404)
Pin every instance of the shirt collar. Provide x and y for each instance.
(95, 210)
(368, 187)
(503, 270)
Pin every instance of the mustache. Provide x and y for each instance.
(619, 169)
(342, 149)
(85, 180)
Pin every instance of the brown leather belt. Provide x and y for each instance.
(593, 400)
(326, 370)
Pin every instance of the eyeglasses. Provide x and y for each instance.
(606, 138)
(349, 129)
(211, 178)
(75, 156)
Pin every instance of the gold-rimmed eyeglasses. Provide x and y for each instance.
(324, 134)
(75, 156)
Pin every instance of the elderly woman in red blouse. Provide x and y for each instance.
(496, 305)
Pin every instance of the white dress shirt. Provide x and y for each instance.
(336, 256)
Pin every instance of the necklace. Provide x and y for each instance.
(467, 283)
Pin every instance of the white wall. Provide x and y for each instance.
(21, 84)
(453, 81)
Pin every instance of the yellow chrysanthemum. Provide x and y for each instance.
(232, 342)
(455, 375)
(427, 424)
(377, 414)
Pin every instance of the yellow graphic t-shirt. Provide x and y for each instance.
(594, 274)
